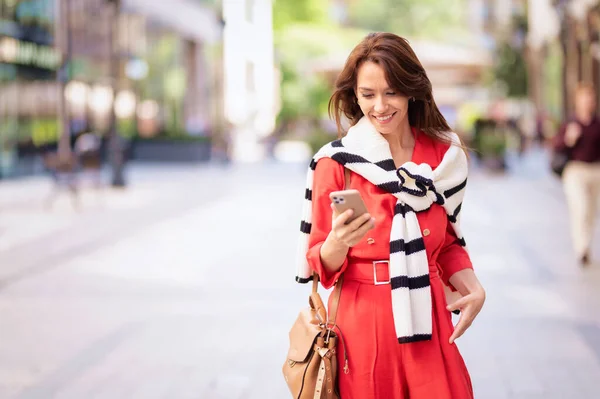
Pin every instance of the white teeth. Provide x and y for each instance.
(384, 118)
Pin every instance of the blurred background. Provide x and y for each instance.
(152, 169)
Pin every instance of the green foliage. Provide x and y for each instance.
(9, 132)
(304, 98)
(511, 66)
(318, 138)
(300, 42)
(175, 83)
(552, 80)
(318, 96)
(288, 12)
(303, 34)
(305, 95)
(490, 140)
(44, 131)
(127, 127)
(492, 145)
(511, 69)
(429, 19)
(162, 59)
(41, 131)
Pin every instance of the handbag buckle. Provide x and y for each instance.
(375, 281)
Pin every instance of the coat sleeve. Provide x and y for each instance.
(452, 257)
(328, 177)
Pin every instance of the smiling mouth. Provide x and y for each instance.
(384, 118)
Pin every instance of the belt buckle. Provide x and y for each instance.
(375, 272)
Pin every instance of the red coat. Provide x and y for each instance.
(380, 367)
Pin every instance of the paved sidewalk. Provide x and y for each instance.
(63, 230)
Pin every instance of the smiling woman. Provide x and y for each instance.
(394, 265)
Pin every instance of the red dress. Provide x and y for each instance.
(379, 366)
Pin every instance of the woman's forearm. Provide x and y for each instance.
(466, 282)
(333, 254)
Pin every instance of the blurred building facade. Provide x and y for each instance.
(151, 62)
(27, 54)
(571, 26)
(250, 86)
(579, 38)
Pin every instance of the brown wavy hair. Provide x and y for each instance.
(404, 74)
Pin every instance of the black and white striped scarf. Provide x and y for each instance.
(366, 152)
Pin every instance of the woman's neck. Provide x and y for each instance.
(401, 140)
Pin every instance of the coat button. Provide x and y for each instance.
(370, 241)
(426, 232)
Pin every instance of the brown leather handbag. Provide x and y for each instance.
(310, 369)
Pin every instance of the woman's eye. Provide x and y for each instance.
(391, 93)
(367, 95)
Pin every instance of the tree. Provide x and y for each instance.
(511, 69)
(427, 19)
(289, 12)
(511, 64)
(304, 33)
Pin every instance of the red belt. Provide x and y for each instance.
(375, 272)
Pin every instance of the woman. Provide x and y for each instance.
(580, 138)
(411, 171)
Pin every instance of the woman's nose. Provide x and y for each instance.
(380, 105)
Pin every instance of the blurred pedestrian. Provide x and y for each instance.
(394, 262)
(579, 137)
(63, 171)
(87, 148)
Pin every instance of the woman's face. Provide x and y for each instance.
(386, 109)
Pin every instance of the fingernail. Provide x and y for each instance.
(373, 220)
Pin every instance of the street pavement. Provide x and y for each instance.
(181, 286)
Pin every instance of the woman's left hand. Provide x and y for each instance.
(473, 298)
(469, 306)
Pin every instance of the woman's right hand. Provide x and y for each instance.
(350, 234)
